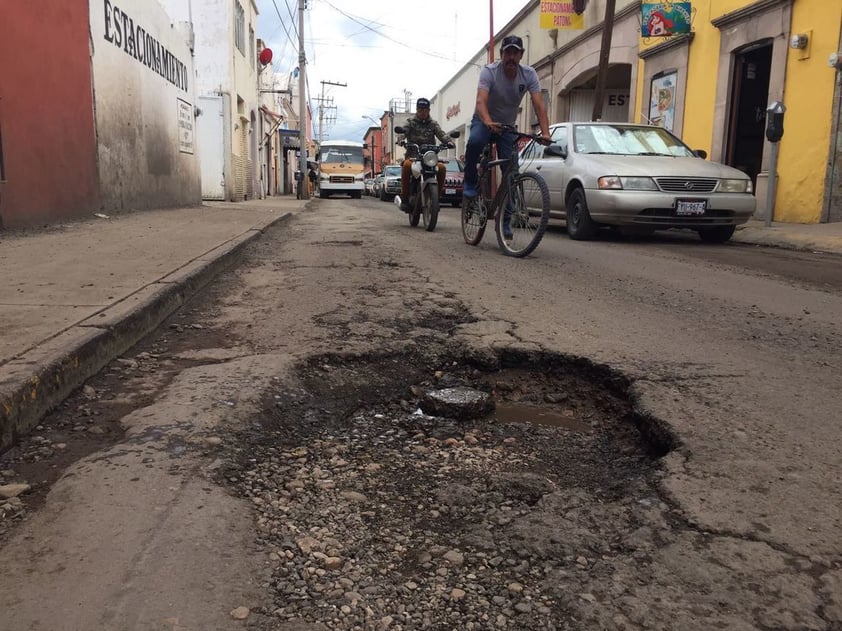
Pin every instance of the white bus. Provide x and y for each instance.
(341, 168)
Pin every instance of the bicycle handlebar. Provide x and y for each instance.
(511, 129)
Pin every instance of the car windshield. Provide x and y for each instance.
(392, 171)
(454, 166)
(628, 140)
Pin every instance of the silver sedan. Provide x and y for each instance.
(639, 177)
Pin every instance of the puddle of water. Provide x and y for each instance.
(507, 412)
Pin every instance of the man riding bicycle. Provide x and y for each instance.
(501, 88)
(422, 130)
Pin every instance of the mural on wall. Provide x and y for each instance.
(662, 100)
(661, 19)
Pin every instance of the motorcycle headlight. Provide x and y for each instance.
(431, 158)
(416, 169)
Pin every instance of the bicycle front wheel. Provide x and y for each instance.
(522, 220)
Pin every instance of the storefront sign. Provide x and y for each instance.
(561, 15)
(661, 19)
(662, 100)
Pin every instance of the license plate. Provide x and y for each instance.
(690, 206)
(450, 191)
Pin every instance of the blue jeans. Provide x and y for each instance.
(480, 136)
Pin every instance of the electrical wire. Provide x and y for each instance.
(383, 35)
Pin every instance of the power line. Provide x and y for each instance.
(384, 36)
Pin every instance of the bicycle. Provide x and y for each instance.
(524, 198)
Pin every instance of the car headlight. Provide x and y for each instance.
(609, 181)
(734, 186)
(639, 184)
(431, 158)
(628, 183)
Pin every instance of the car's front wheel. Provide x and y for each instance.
(716, 234)
(580, 226)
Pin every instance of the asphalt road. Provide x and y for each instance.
(734, 350)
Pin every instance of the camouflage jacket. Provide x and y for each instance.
(424, 132)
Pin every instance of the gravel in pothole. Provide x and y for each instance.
(385, 518)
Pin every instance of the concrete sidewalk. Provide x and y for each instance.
(820, 237)
(77, 295)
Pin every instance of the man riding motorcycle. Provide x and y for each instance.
(422, 130)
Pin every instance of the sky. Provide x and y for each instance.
(380, 49)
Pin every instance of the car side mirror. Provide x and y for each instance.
(556, 151)
(701, 153)
(400, 130)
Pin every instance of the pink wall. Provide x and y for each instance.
(46, 113)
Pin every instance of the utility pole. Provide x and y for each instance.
(490, 31)
(321, 104)
(602, 71)
(302, 107)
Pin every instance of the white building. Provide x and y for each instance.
(279, 104)
(567, 64)
(144, 90)
(229, 125)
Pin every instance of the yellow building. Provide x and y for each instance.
(740, 57)
(711, 86)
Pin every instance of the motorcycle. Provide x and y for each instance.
(423, 184)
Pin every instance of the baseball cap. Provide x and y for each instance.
(512, 41)
(421, 104)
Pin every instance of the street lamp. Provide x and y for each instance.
(373, 153)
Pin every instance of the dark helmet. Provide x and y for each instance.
(422, 104)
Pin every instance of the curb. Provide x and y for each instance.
(789, 240)
(38, 381)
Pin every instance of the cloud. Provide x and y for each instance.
(381, 51)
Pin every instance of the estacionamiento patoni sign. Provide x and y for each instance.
(121, 30)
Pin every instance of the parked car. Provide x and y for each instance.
(639, 177)
(454, 175)
(377, 185)
(391, 182)
(368, 185)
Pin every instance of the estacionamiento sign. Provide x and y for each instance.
(560, 15)
(121, 30)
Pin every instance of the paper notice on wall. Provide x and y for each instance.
(185, 127)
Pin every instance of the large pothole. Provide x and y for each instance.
(375, 515)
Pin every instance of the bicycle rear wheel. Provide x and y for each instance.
(474, 218)
(522, 220)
